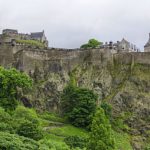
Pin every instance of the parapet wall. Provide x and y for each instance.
(134, 57)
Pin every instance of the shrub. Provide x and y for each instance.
(75, 141)
(14, 142)
(107, 109)
(101, 137)
(52, 145)
(147, 148)
(5, 121)
(30, 130)
(23, 113)
(10, 81)
(78, 104)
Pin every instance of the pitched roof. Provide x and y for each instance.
(123, 40)
(37, 35)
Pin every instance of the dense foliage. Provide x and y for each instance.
(14, 142)
(10, 81)
(79, 105)
(101, 137)
(107, 109)
(92, 43)
(76, 141)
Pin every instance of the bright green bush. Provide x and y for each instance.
(14, 142)
(23, 113)
(5, 121)
(10, 81)
(78, 104)
(30, 130)
(52, 145)
(75, 141)
(101, 137)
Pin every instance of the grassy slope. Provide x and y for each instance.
(58, 133)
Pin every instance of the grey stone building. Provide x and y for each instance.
(121, 46)
(9, 35)
(147, 45)
(9, 31)
(126, 46)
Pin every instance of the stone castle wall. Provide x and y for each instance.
(62, 59)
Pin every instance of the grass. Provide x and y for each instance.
(68, 130)
(52, 117)
(122, 141)
(31, 42)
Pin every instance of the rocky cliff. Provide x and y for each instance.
(123, 80)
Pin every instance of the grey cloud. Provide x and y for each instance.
(69, 23)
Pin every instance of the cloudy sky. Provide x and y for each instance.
(70, 23)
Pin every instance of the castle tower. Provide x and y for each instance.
(147, 45)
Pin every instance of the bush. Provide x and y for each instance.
(14, 142)
(75, 141)
(78, 104)
(107, 109)
(101, 137)
(23, 113)
(52, 145)
(30, 130)
(10, 81)
(5, 121)
(147, 148)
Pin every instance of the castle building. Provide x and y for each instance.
(147, 45)
(40, 36)
(126, 46)
(9, 31)
(12, 35)
(121, 46)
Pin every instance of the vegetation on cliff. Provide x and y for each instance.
(78, 105)
(31, 42)
(92, 43)
(25, 128)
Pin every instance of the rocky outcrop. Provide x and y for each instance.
(122, 79)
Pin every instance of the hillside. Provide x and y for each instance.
(120, 79)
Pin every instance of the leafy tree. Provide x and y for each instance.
(78, 104)
(10, 81)
(92, 43)
(101, 137)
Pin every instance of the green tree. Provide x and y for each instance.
(10, 81)
(92, 43)
(101, 137)
(79, 105)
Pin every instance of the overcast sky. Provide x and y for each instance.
(70, 23)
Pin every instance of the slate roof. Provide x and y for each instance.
(10, 30)
(37, 35)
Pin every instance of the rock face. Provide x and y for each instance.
(122, 79)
